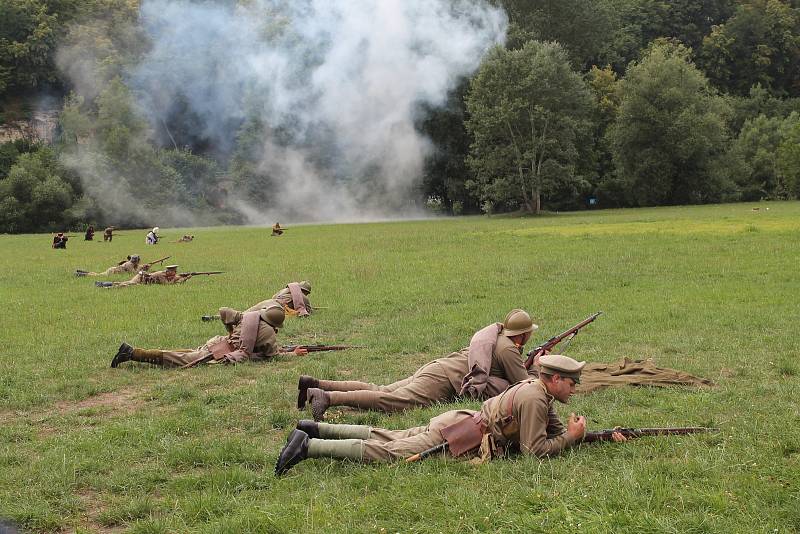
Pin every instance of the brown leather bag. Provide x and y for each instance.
(465, 435)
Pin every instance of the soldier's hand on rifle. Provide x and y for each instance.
(300, 351)
(617, 436)
(146, 267)
(576, 427)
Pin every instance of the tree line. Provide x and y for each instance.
(590, 103)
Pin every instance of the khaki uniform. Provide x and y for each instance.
(535, 430)
(158, 277)
(126, 267)
(108, 234)
(437, 381)
(266, 345)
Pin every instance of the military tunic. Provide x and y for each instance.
(126, 267)
(266, 345)
(436, 381)
(537, 430)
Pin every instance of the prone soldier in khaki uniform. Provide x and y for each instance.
(130, 265)
(492, 361)
(251, 336)
(168, 276)
(521, 419)
(293, 297)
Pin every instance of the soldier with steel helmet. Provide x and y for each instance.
(492, 361)
(251, 337)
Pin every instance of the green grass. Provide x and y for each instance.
(710, 290)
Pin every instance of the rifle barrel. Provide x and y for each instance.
(605, 435)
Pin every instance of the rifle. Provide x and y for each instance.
(162, 260)
(605, 435)
(195, 273)
(319, 348)
(207, 318)
(591, 437)
(548, 345)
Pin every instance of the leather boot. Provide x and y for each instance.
(104, 284)
(303, 384)
(294, 452)
(124, 354)
(319, 403)
(309, 427)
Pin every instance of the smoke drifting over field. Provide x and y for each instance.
(335, 85)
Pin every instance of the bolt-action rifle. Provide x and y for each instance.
(591, 437)
(162, 260)
(195, 273)
(285, 348)
(605, 435)
(207, 318)
(550, 344)
(319, 348)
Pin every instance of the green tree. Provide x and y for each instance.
(788, 156)
(754, 151)
(527, 109)
(670, 132)
(760, 43)
(36, 193)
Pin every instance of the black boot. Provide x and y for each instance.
(104, 284)
(78, 272)
(124, 354)
(294, 452)
(303, 384)
(309, 427)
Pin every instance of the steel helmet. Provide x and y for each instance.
(273, 314)
(518, 322)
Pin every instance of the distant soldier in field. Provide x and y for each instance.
(130, 265)
(108, 233)
(185, 239)
(492, 361)
(152, 237)
(277, 229)
(251, 337)
(89, 236)
(168, 276)
(60, 240)
(521, 419)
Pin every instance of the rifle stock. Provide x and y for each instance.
(550, 344)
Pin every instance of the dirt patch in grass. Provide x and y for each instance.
(92, 509)
(122, 401)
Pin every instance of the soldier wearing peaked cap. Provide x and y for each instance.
(521, 419)
(492, 361)
(251, 336)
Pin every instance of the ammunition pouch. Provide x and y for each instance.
(465, 435)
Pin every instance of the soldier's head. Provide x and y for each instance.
(134, 258)
(273, 314)
(560, 374)
(305, 287)
(155, 230)
(171, 271)
(518, 326)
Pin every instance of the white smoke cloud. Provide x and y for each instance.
(340, 81)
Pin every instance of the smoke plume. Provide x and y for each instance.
(336, 87)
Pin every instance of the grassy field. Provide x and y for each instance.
(710, 290)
